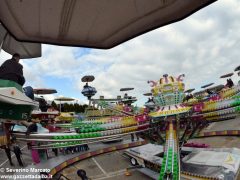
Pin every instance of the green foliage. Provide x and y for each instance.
(77, 108)
(54, 105)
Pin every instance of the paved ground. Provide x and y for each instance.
(25, 156)
(221, 141)
(110, 166)
(224, 125)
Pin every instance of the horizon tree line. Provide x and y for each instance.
(78, 108)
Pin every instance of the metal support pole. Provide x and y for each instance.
(194, 130)
(60, 109)
(184, 134)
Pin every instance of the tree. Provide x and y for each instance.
(66, 107)
(84, 107)
(76, 107)
(54, 105)
(71, 108)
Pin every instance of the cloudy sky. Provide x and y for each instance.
(203, 46)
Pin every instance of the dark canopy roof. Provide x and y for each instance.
(226, 75)
(126, 89)
(214, 88)
(44, 91)
(64, 99)
(147, 94)
(189, 90)
(207, 85)
(91, 23)
(237, 68)
(88, 78)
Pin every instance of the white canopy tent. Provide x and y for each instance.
(26, 50)
(96, 23)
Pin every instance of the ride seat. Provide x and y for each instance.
(8, 83)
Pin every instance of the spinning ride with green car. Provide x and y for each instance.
(168, 94)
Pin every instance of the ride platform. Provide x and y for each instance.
(58, 163)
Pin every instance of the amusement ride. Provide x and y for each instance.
(172, 115)
(174, 118)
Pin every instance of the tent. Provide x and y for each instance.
(26, 50)
(97, 24)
